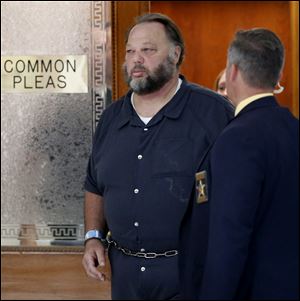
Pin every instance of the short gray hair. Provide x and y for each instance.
(259, 55)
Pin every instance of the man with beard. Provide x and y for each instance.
(146, 152)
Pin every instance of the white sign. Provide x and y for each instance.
(53, 74)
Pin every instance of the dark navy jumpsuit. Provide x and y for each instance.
(145, 173)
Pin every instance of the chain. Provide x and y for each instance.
(149, 255)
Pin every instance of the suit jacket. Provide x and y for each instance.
(246, 237)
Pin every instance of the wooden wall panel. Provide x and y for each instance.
(209, 26)
(49, 276)
(123, 15)
(294, 9)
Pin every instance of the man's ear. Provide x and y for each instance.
(177, 52)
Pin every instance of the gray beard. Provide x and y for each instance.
(153, 82)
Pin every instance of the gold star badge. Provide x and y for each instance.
(201, 187)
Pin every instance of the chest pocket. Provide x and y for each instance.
(172, 157)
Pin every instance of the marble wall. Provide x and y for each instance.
(46, 137)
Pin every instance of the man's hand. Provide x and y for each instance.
(94, 256)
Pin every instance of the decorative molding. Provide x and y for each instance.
(58, 238)
(50, 232)
(98, 60)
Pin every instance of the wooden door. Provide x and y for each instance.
(209, 26)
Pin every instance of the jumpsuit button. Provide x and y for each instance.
(136, 191)
(140, 157)
(136, 224)
(143, 269)
(143, 250)
(145, 129)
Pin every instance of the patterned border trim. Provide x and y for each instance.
(98, 60)
(42, 238)
(42, 232)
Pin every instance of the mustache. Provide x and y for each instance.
(138, 67)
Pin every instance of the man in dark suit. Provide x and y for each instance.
(252, 248)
